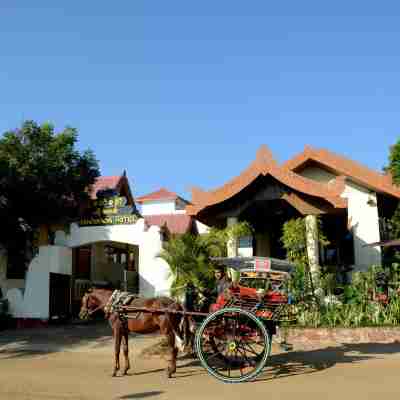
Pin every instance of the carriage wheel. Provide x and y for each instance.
(233, 345)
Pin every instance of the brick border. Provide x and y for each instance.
(315, 337)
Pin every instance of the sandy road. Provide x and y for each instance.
(79, 367)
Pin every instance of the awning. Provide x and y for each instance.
(261, 264)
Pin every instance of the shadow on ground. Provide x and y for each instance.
(304, 362)
(138, 396)
(97, 335)
(39, 341)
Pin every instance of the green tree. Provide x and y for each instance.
(188, 259)
(42, 177)
(294, 239)
(190, 256)
(392, 225)
(394, 162)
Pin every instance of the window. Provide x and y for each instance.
(245, 242)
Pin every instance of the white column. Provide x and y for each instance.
(363, 221)
(232, 244)
(312, 242)
(232, 250)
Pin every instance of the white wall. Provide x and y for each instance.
(201, 228)
(153, 271)
(154, 275)
(34, 301)
(159, 207)
(317, 174)
(363, 217)
(364, 220)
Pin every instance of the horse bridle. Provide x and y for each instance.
(90, 312)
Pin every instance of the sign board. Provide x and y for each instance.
(110, 210)
(109, 220)
(262, 265)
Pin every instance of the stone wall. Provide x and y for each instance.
(309, 338)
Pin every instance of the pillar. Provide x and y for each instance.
(312, 242)
(232, 244)
(232, 249)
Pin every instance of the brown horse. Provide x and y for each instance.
(175, 326)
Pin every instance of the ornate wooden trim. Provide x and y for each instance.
(264, 165)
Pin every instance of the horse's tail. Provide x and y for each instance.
(187, 329)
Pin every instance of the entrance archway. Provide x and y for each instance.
(267, 218)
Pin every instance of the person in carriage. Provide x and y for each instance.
(203, 301)
(222, 282)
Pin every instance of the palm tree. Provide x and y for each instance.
(190, 257)
(189, 261)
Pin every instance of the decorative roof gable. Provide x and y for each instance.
(345, 167)
(118, 183)
(264, 165)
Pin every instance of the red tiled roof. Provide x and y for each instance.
(175, 223)
(104, 182)
(264, 164)
(162, 194)
(346, 167)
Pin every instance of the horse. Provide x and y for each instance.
(176, 327)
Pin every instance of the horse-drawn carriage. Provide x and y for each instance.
(233, 340)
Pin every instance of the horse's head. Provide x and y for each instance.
(89, 304)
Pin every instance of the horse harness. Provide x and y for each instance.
(116, 301)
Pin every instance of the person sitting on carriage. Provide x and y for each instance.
(201, 300)
(222, 281)
(217, 297)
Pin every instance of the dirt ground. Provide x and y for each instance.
(75, 362)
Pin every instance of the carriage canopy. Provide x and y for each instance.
(255, 264)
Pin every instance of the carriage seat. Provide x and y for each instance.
(270, 297)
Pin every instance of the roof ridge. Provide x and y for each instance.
(264, 164)
(355, 162)
(160, 194)
(345, 166)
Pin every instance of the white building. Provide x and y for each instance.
(112, 245)
(350, 199)
(120, 245)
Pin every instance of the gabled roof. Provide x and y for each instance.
(110, 182)
(161, 194)
(175, 223)
(345, 167)
(264, 165)
(104, 182)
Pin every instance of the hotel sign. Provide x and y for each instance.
(110, 211)
(109, 220)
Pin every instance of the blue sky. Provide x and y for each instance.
(182, 93)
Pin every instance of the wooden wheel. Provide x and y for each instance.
(233, 345)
